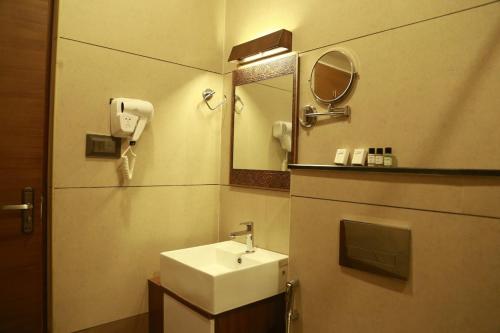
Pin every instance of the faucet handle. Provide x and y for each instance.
(248, 224)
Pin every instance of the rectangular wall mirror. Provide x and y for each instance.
(263, 123)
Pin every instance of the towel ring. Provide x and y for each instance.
(207, 95)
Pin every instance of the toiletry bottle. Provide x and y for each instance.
(388, 157)
(379, 157)
(371, 157)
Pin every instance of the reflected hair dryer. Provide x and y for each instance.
(282, 130)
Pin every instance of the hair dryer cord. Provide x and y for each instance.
(128, 165)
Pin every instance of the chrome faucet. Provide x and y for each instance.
(248, 232)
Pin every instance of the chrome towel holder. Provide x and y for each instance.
(207, 95)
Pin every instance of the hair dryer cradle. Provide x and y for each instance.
(129, 117)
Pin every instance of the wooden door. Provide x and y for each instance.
(25, 28)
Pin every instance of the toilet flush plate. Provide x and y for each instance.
(375, 248)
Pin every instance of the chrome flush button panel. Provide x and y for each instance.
(375, 248)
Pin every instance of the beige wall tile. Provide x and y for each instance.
(411, 191)
(461, 195)
(189, 32)
(481, 196)
(269, 210)
(429, 90)
(454, 273)
(107, 242)
(317, 23)
(180, 146)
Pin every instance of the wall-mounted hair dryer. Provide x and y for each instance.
(129, 117)
(128, 120)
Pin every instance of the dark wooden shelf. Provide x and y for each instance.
(419, 171)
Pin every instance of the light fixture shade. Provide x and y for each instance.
(277, 42)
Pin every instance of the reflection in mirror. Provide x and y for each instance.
(263, 123)
(263, 127)
(331, 76)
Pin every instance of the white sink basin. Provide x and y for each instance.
(211, 277)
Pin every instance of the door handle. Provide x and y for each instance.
(17, 207)
(26, 209)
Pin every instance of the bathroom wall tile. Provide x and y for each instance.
(189, 32)
(481, 196)
(269, 210)
(454, 271)
(410, 191)
(318, 23)
(180, 146)
(107, 241)
(429, 90)
(453, 194)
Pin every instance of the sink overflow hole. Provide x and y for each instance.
(239, 260)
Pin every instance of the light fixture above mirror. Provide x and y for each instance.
(269, 45)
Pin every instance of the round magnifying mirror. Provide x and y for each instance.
(332, 76)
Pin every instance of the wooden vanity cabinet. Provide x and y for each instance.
(169, 313)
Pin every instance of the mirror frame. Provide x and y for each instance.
(349, 85)
(263, 70)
